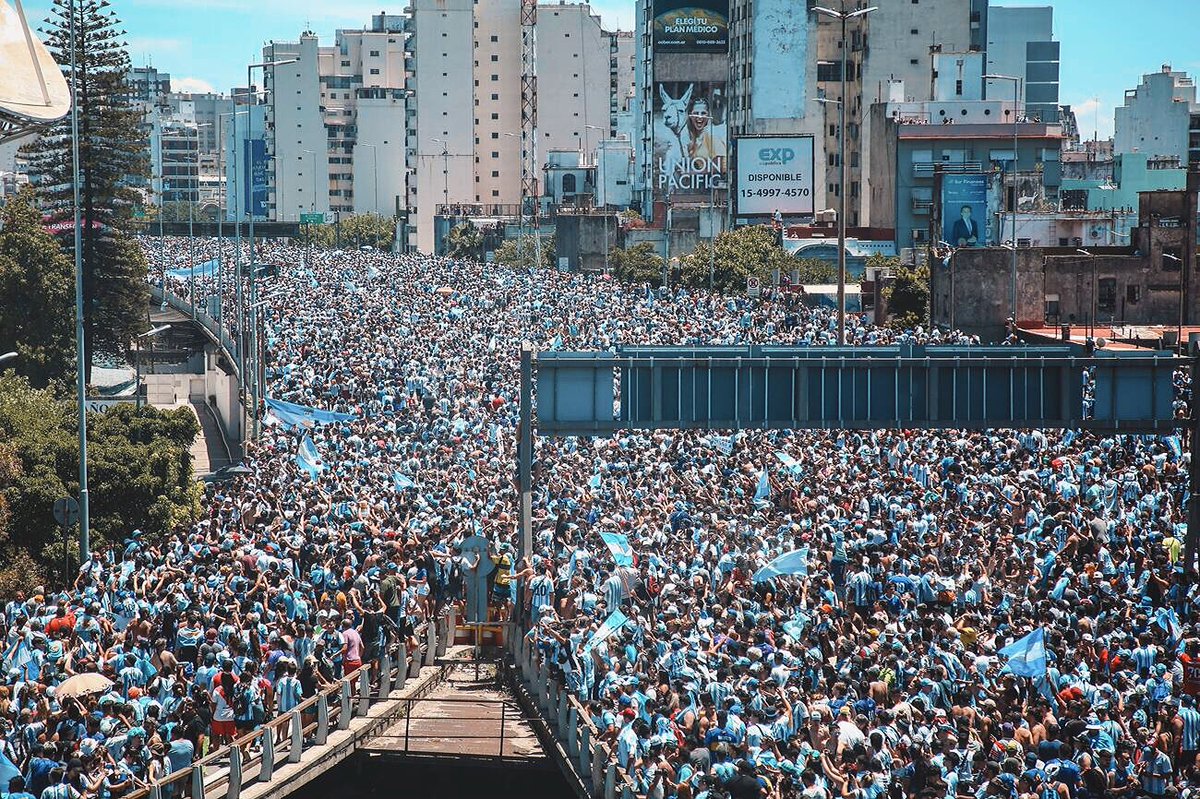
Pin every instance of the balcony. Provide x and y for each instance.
(925, 170)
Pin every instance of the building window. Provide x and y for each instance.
(914, 31)
(495, 38)
(374, 54)
(495, 154)
(495, 57)
(375, 72)
(1106, 294)
(1133, 294)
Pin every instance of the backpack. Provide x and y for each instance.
(241, 701)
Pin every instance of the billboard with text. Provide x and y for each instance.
(254, 190)
(773, 173)
(691, 26)
(964, 210)
(690, 150)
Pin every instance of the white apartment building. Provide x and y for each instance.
(1155, 117)
(465, 147)
(337, 120)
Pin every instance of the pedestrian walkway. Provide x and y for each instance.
(466, 716)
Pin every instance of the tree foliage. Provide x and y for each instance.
(37, 294)
(908, 296)
(735, 256)
(359, 230)
(465, 241)
(521, 253)
(140, 472)
(112, 153)
(637, 264)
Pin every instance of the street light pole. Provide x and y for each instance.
(843, 17)
(257, 417)
(1092, 302)
(1012, 297)
(81, 355)
(1179, 343)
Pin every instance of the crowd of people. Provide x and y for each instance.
(873, 668)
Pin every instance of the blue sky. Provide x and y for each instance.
(1106, 44)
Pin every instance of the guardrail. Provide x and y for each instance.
(252, 758)
(592, 761)
(507, 711)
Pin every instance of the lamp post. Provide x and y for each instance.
(1016, 82)
(257, 417)
(193, 197)
(221, 209)
(445, 171)
(1092, 303)
(1179, 323)
(137, 361)
(8, 356)
(604, 205)
(80, 351)
(844, 17)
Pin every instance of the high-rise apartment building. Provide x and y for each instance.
(465, 141)
(1020, 43)
(337, 121)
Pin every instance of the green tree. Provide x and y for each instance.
(521, 253)
(815, 271)
(359, 230)
(908, 296)
(637, 264)
(37, 294)
(140, 472)
(113, 152)
(735, 256)
(465, 241)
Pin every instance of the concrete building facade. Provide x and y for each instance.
(337, 122)
(913, 142)
(1020, 43)
(1151, 281)
(1156, 116)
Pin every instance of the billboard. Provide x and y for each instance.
(691, 26)
(773, 173)
(964, 210)
(690, 150)
(254, 190)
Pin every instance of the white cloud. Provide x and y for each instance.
(192, 85)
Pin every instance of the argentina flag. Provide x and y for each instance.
(308, 459)
(620, 548)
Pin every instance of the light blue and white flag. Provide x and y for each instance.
(1027, 657)
(402, 481)
(791, 464)
(764, 487)
(794, 562)
(615, 621)
(308, 459)
(1175, 445)
(722, 444)
(618, 544)
(594, 482)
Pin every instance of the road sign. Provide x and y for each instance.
(312, 219)
(66, 511)
(753, 287)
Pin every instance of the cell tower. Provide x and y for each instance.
(529, 161)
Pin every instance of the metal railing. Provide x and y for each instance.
(592, 761)
(925, 169)
(253, 757)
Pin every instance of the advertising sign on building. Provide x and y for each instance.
(690, 150)
(254, 190)
(691, 26)
(773, 173)
(964, 210)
